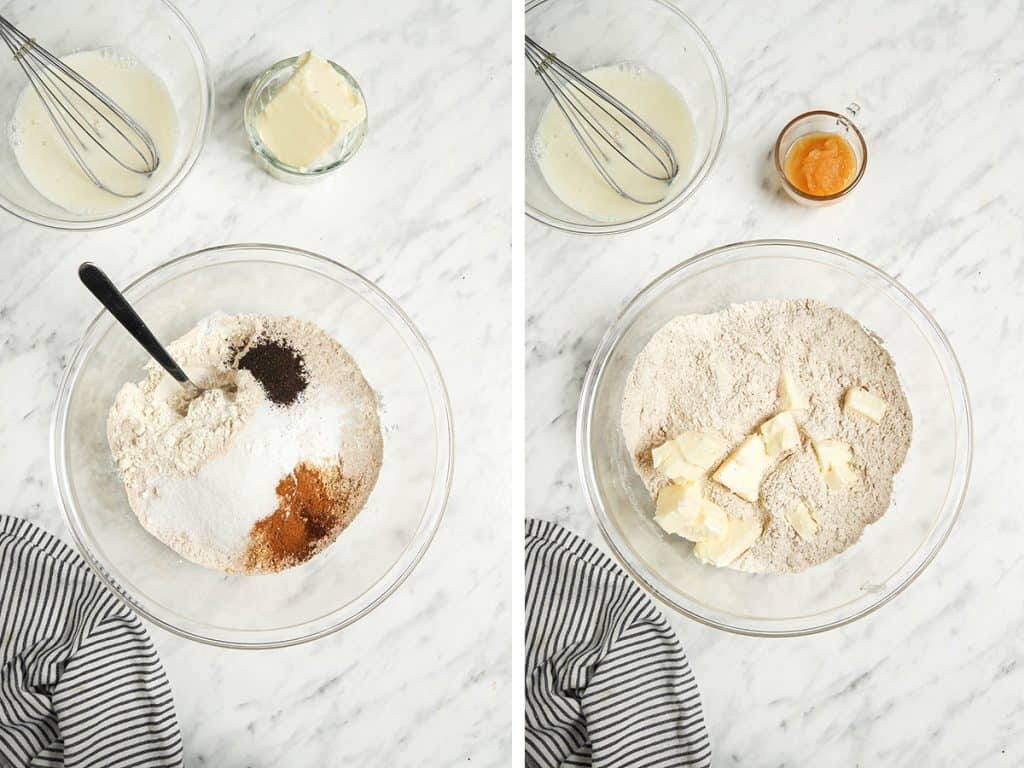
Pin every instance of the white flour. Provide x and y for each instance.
(720, 372)
(199, 474)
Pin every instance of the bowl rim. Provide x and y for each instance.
(397, 572)
(722, 93)
(147, 205)
(952, 505)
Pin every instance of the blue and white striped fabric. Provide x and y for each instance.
(607, 682)
(80, 682)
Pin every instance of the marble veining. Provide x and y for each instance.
(432, 677)
(936, 677)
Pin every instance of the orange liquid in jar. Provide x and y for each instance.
(820, 164)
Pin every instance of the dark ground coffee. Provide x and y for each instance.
(278, 368)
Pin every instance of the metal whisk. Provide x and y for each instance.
(595, 117)
(83, 116)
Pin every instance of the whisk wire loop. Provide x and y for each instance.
(583, 103)
(78, 111)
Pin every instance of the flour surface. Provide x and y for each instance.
(201, 472)
(720, 373)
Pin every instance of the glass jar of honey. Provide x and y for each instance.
(821, 156)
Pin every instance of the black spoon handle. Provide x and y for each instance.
(103, 289)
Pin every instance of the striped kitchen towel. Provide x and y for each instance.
(80, 682)
(607, 682)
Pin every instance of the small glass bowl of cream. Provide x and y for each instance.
(821, 156)
(295, 137)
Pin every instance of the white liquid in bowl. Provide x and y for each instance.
(50, 167)
(571, 174)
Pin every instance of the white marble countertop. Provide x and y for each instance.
(424, 211)
(936, 677)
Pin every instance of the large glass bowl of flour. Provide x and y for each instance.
(150, 32)
(370, 558)
(928, 492)
(655, 35)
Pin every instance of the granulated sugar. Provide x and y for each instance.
(720, 373)
(201, 473)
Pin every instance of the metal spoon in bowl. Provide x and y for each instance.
(110, 297)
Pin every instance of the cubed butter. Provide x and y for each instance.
(681, 501)
(791, 394)
(834, 461)
(840, 476)
(715, 519)
(682, 510)
(310, 113)
(867, 404)
(722, 550)
(780, 433)
(741, 472)
(668, 459)
(703, 449)
(830, 452)
(802, 520)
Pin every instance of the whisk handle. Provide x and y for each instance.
(96, 280)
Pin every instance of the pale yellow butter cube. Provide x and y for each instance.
(699, 530)
(840, 476)
(702, 449)
(831, 452)
(683, 510)
(739, 536)
(834, 461)
(310, 113)
(678, 502)
(858, 400)
(713, 518)
(741, 472)
(662, 454)
(668, 459)
(680, 510)
(802, 520)
(780, 433)
(791, 394)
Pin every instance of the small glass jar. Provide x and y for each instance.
(821, 121)
(260, 94)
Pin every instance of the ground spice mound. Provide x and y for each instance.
(314, 506)
(278, 368)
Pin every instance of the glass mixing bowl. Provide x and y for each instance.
(653, 33)
(370, 558)
(156, 34)
(929, 489)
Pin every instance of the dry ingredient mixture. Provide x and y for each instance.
(269, 463)
(822, 473)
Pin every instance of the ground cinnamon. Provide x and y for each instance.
(313, 505)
